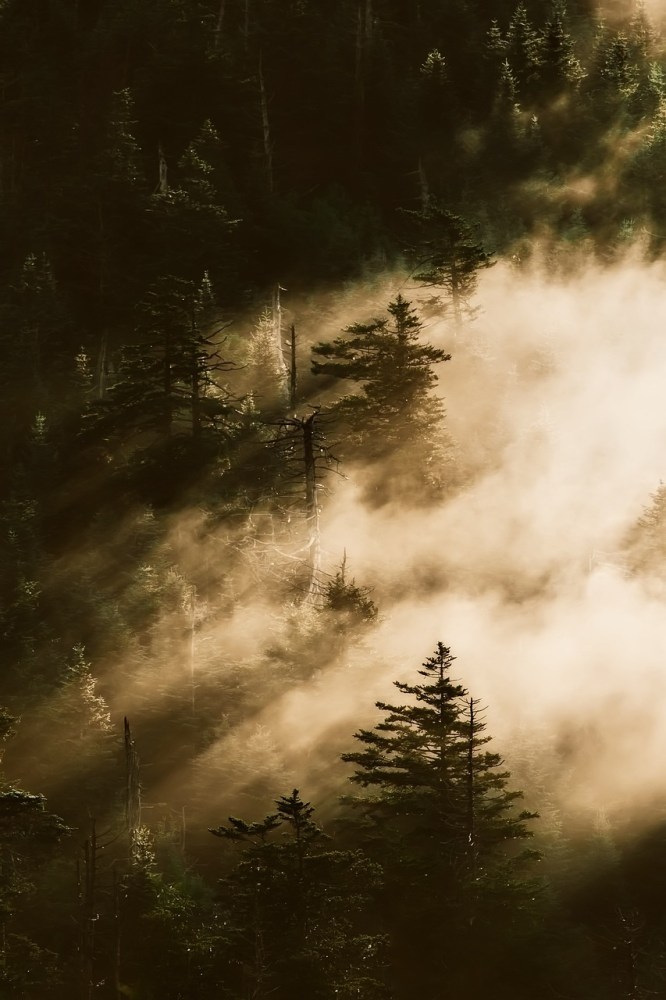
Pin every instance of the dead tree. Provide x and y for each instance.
(87, 879)
(163, 182)
(277, 334)
(132, 789)
(311, 504)
(306, 458)
(265, 126)
(93, 894)
(217, 37)
(364, 39)
(293, 370)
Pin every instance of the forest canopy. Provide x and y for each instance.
(331, 335)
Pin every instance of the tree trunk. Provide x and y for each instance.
(265, 126)
(88, 918)
(293, 371)
(193, 639)
(132, 788)
(471, 790)
(195, 387)
(163, 182)
(312, 507)
(364, 33)
(360, 85)
(217, 37)
(277, 333)
(246, 24)
(456, 294)
(424, 187)
(167, 385)
(102, 365)
(116, 935)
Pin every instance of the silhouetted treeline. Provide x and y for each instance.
(166, 167)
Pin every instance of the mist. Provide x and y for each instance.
(554, 398)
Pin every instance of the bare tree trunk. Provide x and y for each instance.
(632, 927)
(102, 365)
(117, 935)
(163, 181)
(312, 506)
(293, 370)
(167, 384)
(265, 125)
(183, 830)
(364, 37)
(195, 388)
(369, 22)
(132, 788)
(193, 639)
(456, 295)
(277, 333)
(88, 919)
(471, 788)
(217, 37)
(424, 187)
(246, 24)
(360, 84)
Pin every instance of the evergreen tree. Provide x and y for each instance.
(505, 125)
(191, 229)
(524, 51)
(266, 369)
(560, 69)
(29, 836)
(33, 352)
(646, 542)
(296, 908)
(641, 33)
(396, 415)
(170, 943)
(167, 406)
(441, 820)
(447, 256)
(82, 779)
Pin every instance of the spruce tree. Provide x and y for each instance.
(168, 389)
(441, 820)
(397, 415)
(560, 69)
(523, 50)
(296, 907)
(448, 256)
(29, 837)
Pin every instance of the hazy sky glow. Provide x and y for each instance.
(555, 400)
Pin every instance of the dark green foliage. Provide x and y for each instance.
(441, 821)
(523, 50)
(396, 415)
(170, 938)
(164, 166)
(560, 69)
(646, 543)
(352, 606)
(296, 906)
(29, 837)
(446, 254)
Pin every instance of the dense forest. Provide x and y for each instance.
(332, 530)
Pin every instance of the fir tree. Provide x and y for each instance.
(560, 69)
(439, 817)
(447, 256)
(396, 415)
(524, 51)
(296, 907)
